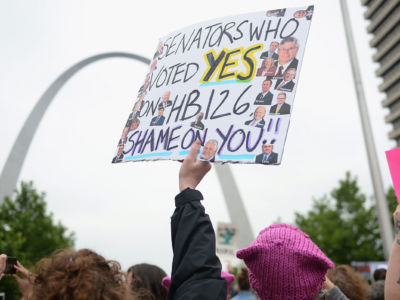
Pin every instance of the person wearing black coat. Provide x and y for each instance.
(196, 269)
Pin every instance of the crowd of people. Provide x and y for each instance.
(282, 263)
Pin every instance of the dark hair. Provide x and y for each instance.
(270, 81)
(148, 277)
(79, 275)
(352, 284)
(380, 274)
(243, 279)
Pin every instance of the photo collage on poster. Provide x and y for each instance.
(239, 115)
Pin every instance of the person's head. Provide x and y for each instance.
(166, 96)
(148, 277)
(379, 274)
(125, 132)
(199, 117)
(209, 149)
(142, 96)
(135, 124)
(136, 108)
(273, 46)
(300, 14)
(268, 62)
(281, 98)
(287, 50)
(377, 290)
(289, 74)
(160, 46)
(153, 65)
(120, 149)
(266, 85)
(79, 275)
(285, 264)
(160, 111)
(259, 113)
(146, 81)
(243, 279)
(352, 284)
(267, 148)
(273, 12)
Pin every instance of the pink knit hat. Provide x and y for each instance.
(166, 281)
(285, 264)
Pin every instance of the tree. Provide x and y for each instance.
(28, 232)
(345, 225)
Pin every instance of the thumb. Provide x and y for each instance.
(194, 150)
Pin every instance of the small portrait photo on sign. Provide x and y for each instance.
(258, 119)
(135, 124)
(307, 13)
(159, 119)
(159, 50)
(120, 154)
(281, 108)
(165, 100)
(267, 68)
(287, 52)
(268, 156)
(265, 96)
(286, 84)
(271, 53)
(276, 12)
(209, 150)
(144, 87)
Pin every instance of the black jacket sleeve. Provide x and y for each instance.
(196, 270)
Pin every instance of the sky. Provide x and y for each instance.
(123, 211)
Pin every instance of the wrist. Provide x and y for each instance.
(184, 186)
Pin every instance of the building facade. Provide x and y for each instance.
(385, 27)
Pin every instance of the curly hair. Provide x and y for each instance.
(80, 275)
(352, 284)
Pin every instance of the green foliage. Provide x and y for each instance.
(345, 225)
(28, 232)
(392, 200)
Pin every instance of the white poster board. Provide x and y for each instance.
(229, 82)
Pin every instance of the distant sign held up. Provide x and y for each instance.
(393, 159)
(229, 82)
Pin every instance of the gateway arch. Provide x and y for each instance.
(12, 168)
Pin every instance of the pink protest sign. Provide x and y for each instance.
(393, 158)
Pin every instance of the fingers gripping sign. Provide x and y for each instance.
(192, 170)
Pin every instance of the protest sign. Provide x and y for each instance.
(226, 244)
(393, 159)
(229, 82)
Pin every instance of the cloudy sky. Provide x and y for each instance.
(123, 211)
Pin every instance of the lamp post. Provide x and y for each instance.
(379, 192)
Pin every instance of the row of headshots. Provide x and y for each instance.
(209, 151)
(265, 103)
(267, 156)
(299, 14)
